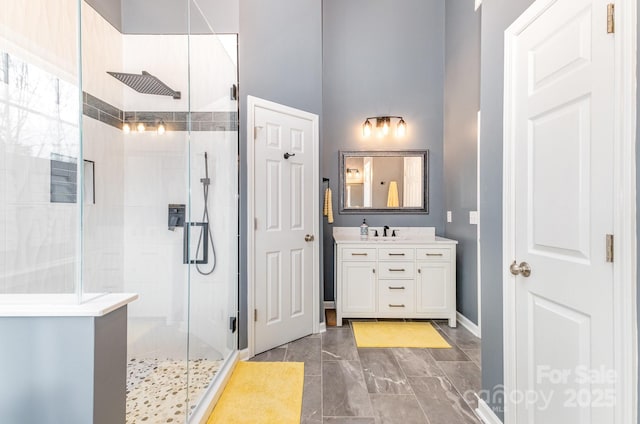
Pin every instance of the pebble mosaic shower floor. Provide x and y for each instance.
(157, 392)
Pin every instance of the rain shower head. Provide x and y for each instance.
(145, 84)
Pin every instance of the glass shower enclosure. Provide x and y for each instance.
(119, 173)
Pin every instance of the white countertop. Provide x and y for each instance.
(62, 305)
(406, 235)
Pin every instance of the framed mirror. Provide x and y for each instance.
(384, 182)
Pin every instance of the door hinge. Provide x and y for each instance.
(611, 20)
(609, 248)
(255, 223)
(255, 315)
(256, 132)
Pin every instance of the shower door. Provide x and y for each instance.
(106, 187)
(165, 219)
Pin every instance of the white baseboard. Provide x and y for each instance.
(244, 354)
(330, 304)
(466, 323)
(486, 414)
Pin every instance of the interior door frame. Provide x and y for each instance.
(252, 103)
(624, 266)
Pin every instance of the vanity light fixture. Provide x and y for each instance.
(366, 128)
(383, 125)
(353, 172)
(401, 128)
(161, 128)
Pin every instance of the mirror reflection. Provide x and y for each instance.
(384, 182)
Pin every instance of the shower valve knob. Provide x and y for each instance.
(309, 237)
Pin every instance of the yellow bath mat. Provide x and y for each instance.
(261, 392)
(397, 334)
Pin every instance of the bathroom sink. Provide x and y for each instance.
(387, 239)
(409, 235)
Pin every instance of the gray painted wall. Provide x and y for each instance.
(381, 59)
(280, 59)
(461, 105)
(497, 15)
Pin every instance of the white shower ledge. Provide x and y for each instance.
(62, 305)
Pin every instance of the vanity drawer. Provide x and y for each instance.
(395, 297)
(358, 254)
(390, 254)
(393, 270)
(434, 254)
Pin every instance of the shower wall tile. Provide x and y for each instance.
(104, 220)
(204, 84)
(102, 51)
(103, 106)
(155, 169)
(152, 116)
(174, 121)
(49, 29)
(90, 111)
(225, 116)
(110, 120)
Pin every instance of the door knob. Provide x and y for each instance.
(523, 269)
(309, 237)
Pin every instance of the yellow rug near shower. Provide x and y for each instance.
(397, 334)
(261, 392)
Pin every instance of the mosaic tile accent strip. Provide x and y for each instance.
(157, 389)
(102, 111)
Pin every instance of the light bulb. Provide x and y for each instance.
(401, 129)
(366, 128)
(385, 126)
(141, 127)
(161, 128)
(126, 128)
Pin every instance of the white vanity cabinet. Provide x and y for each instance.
(408, 277)
(359, 273)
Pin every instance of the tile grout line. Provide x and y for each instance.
(413, 392)
(449, 378)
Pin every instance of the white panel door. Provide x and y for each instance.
(561, 131)
(284, 189)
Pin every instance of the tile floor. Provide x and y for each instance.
(347, 385)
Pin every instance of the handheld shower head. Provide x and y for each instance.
(206, 181)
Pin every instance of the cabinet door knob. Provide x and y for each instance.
(373, 270)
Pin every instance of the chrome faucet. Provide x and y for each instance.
(384, 234)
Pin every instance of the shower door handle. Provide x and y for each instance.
(205, 243)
